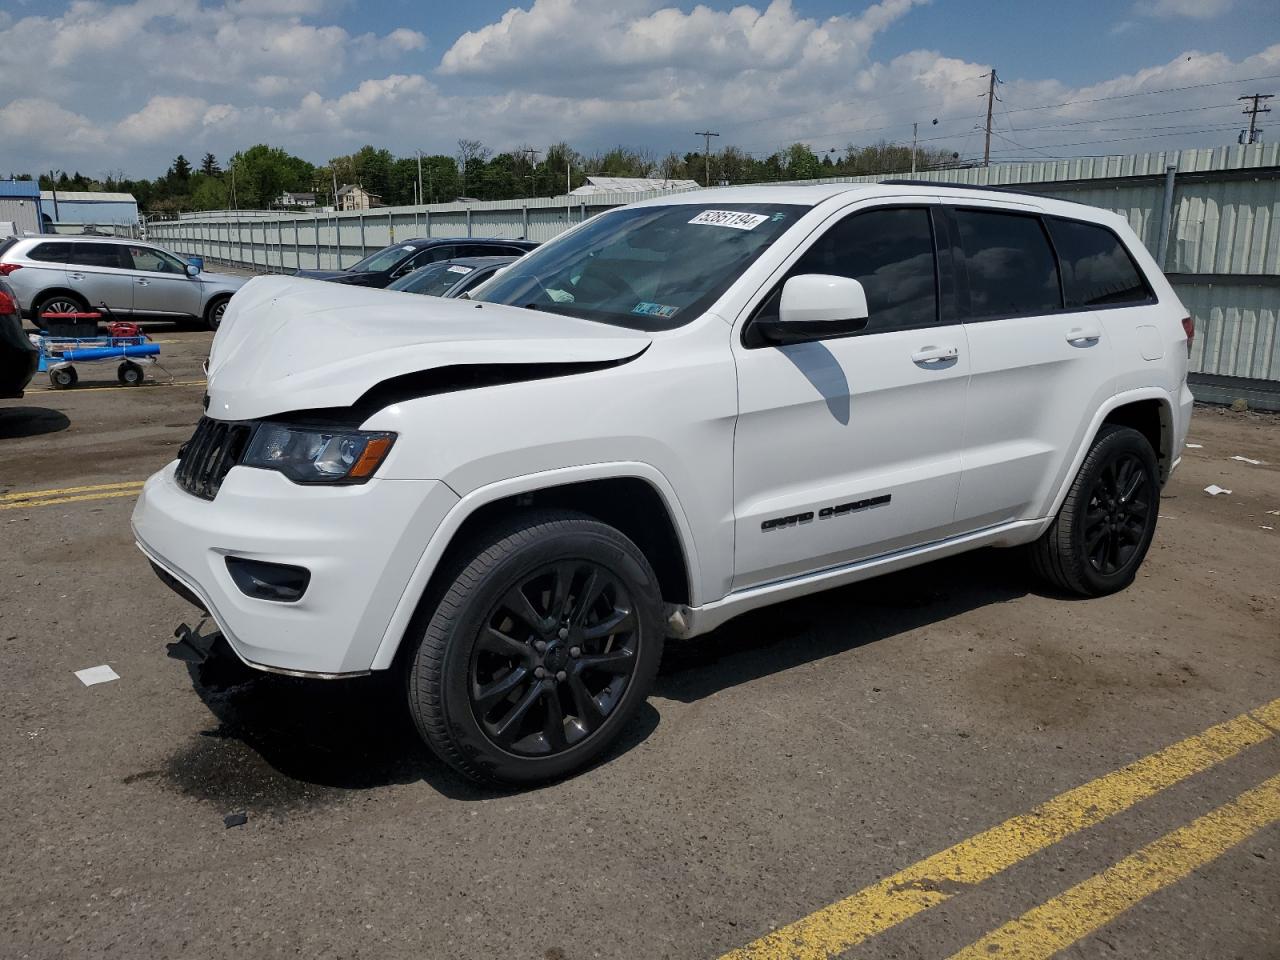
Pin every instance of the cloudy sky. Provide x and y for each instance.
(98, 86)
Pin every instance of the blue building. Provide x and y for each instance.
(87, 207)
(19, 207)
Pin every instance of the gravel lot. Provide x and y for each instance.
(791, 759)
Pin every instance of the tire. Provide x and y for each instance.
(503, 699)
(1104, 529)
(57, 303)
(213, 312)
(63, 378)
(129, 374)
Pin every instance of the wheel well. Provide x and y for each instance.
(216, 299)
(628, 504)
(1152, 419)
(54, 292)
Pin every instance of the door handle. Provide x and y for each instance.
(935, 356)
(76, 276)
(1083, 336)
(142, 283)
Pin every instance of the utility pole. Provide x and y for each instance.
(915, 128)
(532, 156)
(419, 152)
(991, 98)
(706, 135)
(1252, 114)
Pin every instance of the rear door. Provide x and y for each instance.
(161, 284)
(1040, 368)
(849, 448)
(101, 273)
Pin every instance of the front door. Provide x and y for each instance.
(851, 448)
(101, 273)
(161, 284)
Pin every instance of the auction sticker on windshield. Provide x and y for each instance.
(730, 218)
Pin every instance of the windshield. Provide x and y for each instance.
(384, 259)
(434, 281)
(651, 268)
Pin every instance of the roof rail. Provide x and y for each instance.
(954, 186)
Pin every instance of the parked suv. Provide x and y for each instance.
(62, 274)
(674, 413)
(400, 259)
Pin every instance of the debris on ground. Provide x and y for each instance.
(1213, 490)
(235, 820)
(102, 674)
(1256, 463)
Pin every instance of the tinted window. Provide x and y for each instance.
(51, 252)
(891, 253)
(155, 261)
(98, 255)
(1096, 268)
(433, 280)
(388, 258)
(1012, 271)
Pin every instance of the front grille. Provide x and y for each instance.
(212, 451)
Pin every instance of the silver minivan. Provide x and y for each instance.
(57, 274)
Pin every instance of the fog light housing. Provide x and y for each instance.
(279, 582)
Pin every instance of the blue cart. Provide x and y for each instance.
(60, 355)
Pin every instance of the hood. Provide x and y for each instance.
(320, 274)
(290, 344)
(222, 279)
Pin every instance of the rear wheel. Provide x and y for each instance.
(1106, 524)
(57, 303)
(129, 374)
(213, 313)
(539, 652)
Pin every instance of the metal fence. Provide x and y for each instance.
(1211, 218)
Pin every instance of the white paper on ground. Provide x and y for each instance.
(1194, 446)
(1256, 463)
(92, 675)
(1213, 490)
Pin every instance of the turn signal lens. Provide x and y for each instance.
(8, 268)
(1189, 328)
(7, 304)
(374, 452)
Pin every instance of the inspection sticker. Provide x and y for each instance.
(730, 218)
(647, 309)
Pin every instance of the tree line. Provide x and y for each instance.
(257, 178)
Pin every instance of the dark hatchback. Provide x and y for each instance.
(391, 263)
(18, 357)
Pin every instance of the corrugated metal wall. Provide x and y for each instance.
(1223, 237)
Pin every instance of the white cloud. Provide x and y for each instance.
(1196, 9)
(34, 119)
(162, 119)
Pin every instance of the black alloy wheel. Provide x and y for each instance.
(1116, 517)
(1104, 528)
(542, 636)
(553, 658)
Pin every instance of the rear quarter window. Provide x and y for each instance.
(50, 252)
(1097, 269)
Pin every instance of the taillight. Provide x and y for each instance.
(8, 268)
(7, 304)
(1189, 328)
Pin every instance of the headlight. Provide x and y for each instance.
(313, 455)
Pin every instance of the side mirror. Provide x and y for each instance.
(192, 270)
(815, 306)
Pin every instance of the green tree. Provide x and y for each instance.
(263, 172)
(181, 169)
(209, 193)
(209, 165)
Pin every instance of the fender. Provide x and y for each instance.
(1119, 400)
(529, 483)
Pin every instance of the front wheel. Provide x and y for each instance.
(540, 650)
(63, 378)
(1101, 535)
(129, 373)
(213, 313)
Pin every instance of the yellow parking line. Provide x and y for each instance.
(937, 878)
(63, 491)
(120, 386)
(31, 504)
(1044, 930)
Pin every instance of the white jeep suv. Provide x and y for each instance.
(673, 413)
